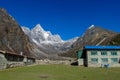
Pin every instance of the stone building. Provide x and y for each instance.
(9, 59)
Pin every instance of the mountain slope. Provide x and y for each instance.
(12, 38)
(115, 40)
(93, 36)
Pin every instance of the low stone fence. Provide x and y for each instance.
(52, 62)
(15, 64)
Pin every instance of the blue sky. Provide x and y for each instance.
(68, 18)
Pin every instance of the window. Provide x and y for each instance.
(104, 53)
(104, 60)
(93, 52)
(94, 60)
(114, 53)
(114, 60)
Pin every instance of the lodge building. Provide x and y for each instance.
(100, 56)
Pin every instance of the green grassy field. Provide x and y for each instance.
(59, 72)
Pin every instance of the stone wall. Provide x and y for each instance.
(3, 62)
(52, 62)
(12, 64)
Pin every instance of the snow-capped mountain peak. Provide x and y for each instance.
(38, 27)
(45, 40)
(39, 32)
(40, 35)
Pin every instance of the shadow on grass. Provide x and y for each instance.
(74, 63)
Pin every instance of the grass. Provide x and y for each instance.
(59, 72)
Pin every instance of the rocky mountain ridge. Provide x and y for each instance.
(94, 35)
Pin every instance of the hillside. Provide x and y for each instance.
(12, 38)
(115, 40)
(94, 35)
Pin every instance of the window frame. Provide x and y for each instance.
(94, 60)
(114, 61)
(104, 53)
(94, 53)
(114, 53)
(104, 60)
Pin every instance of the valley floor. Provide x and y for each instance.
(59, 72)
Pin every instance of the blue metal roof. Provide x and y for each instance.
(102, 47)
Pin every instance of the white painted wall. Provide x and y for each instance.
(99, 56)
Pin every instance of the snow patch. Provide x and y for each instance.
(35, 41)
(46, 35)
(91, 26)
(38, 27)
